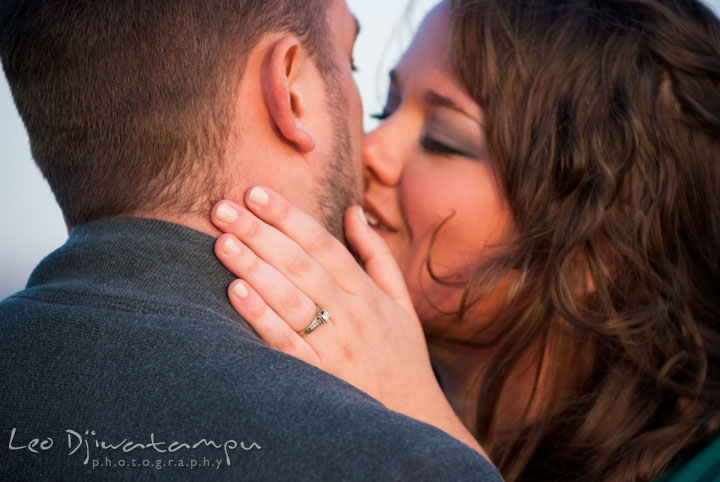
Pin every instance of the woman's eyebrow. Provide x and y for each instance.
(434, 99)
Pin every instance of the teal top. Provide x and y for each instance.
(704, 467)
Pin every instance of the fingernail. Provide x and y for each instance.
(259, 196)
(363, 218)
(226, 213)
(232, 247)
(240, 290)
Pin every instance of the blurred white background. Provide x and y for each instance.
(31, 224)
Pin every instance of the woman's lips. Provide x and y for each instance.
(375, 219)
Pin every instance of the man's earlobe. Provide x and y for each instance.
(282, 68)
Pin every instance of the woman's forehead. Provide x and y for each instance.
(427, 64)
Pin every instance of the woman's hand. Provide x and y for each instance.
(290, 266)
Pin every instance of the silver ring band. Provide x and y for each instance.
(321, 317)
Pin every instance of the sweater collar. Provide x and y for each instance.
(143, 259)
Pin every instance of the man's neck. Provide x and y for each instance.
(189, 220)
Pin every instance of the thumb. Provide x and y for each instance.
(375, 254)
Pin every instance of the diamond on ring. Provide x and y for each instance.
(321, 317)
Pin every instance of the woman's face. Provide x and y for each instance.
(428, 164)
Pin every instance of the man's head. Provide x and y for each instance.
(141, 107)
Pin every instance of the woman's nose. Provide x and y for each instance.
(382, 158)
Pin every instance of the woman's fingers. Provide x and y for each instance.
(276, 250)
(276, 290)
(308, 233)
(268, 325)
(277, 302)
(378, 261)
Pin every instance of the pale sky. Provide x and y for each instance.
(32, 224)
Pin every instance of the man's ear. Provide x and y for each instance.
(282, 71)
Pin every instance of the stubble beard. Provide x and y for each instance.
(339, 187)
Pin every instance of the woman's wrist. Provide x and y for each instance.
(429, 405)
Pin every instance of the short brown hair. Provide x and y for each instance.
(127, 103)
(603, 126)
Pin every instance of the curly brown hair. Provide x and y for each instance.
(604, 131)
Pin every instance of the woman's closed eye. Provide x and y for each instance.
(434, 146)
